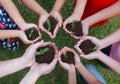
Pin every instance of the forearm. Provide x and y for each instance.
(30, 78)
(114, 37)
(34, 6)
(9, 33)
(79, 8)
(58, 5)
(114, 65)
(11, 66)
(89, 77)
(104, 14)
(72, 76)
(15, 15)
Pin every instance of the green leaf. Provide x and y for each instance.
(65, 55)
(95, 48)
(45, 50)
(49, 24)
(37, 53)
(31, 32)
(73, 24)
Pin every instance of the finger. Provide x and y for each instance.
(36, 45)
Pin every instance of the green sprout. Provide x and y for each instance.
(95, 48)
(73, 24)
(48, 24)
(41, 51)
(31, 32)
(65, 55)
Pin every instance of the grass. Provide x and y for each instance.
(59, 75)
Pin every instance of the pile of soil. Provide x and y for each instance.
(34, 35)
(47, 57)
(69, 58)
(76, 30)
(87, 46)
(53, 24)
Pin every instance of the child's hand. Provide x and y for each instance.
(28, 26)
(43, 17)
(64, 65)
(56, 15)
(44, 68)
(93, 55)
(70, 19)
(23, 37)
(29, 56)
(92, 39)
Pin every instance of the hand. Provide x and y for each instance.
(96, 41)
(24, 38)
(70, 20)
(29, 56)
(26, 26)
(93, 55)
(44, 68)
(58, 17)
(85, 28)
(93, 39)
(66, 66)
(43, 17)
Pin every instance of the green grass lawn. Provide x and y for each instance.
(59, 76)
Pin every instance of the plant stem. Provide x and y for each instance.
(48, 24)
(41, 51)
(31, 32)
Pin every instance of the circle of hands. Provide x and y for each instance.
(45, 68)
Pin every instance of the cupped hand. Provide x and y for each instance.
(44, 68)
(70, 19)
(29, 56)
(93, 55)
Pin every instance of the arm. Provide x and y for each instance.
(114, 37)
(58, 5)
(79, 8)
(34, 6)
(77, 13)
(15, 15)
(11, 66)
(15, 33)
(9, 33)
(14, 65)
(104, 14)
(72, 75)
(105, 59)
(114, 65)
(38, 70)
(89, 77)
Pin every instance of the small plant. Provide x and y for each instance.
(41, 51)
(95, 48)
(31, 32)
(48, 24)
(65, 55)
(73, 24)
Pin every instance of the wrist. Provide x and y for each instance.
(44, 13)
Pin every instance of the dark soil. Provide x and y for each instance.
(87, 47)
(34, 35)
(76, 30)
(47, 57)
(69, 58)
(53, 24)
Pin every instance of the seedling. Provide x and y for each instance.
(31, 32)
(73, 24)
(95, 48)
(65, 55)
(48, 24)
(41, 51)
